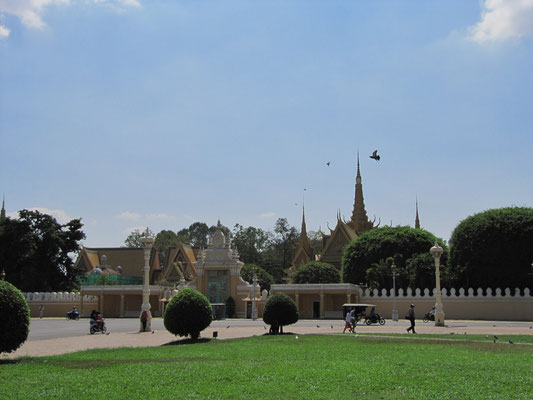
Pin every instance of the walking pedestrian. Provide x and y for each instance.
(348, 323)
(411, 317)
(41, 311)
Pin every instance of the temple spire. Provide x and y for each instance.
(359, 222)
(417, 220)
(3, 211)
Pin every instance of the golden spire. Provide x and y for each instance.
(3, 211)
(359, 222)
(417, 220)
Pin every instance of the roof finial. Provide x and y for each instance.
(3, 211)
(417, 219)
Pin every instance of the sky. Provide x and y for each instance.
(161, 113)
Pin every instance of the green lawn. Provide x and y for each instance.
(281, 367)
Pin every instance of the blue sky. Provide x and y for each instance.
(161, 113)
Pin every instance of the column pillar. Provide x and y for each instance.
(121, 305)
(322, 305)
(297, 301)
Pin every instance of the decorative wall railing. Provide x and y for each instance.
(57, 296)
(461, 293)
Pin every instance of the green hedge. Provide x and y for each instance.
(15, 315)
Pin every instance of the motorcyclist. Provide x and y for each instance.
(373, 314)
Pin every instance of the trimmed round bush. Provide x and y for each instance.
(230, 307)
(15, 318)
(316, 272)
(494, 248)
(188, 313)
(280, 310)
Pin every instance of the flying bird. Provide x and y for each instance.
(375, 156)
(328, 163)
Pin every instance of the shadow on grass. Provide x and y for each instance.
(180, 342)
(9, 361)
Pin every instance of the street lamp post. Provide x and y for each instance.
(147, 243)
(394, 306)
(436, 252)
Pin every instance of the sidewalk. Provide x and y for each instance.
(159, 337)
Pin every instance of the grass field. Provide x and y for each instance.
(281, 367)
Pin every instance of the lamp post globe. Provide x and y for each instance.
(436, 251)
(147, 242)
(394, 306)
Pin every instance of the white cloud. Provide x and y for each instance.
(503, 20)
(4, 32)
(60, 215)
(268, 215)
(130, 3)
(30, 11)
(159, 216)
(129, 216)
(131, 229)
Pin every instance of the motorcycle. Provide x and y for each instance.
(428, 317)
(375, 319)
(96, 327)
(73, 315)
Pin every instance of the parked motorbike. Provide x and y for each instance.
(95, 327)
(374, 319)
(428, 317)
(73, 315)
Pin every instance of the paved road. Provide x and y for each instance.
(52, 328)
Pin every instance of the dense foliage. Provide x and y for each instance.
(365, 258)
(263, 278)
(494, 248)
(15, 318)
(36, 252)
(316, 272)
(272, 251)
(188, 313)
(280, 310)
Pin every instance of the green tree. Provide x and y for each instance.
(163, 241)
(280, 310)
(316, 272)
(264, 278)
(316, 238)
(280, 249)
(134, 238)
(188, 313)
(250, 243)
(401, 242)
(37, 252)
(198, 233)
(15, 318)
(494, 248)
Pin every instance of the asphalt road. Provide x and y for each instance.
(52, 328)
